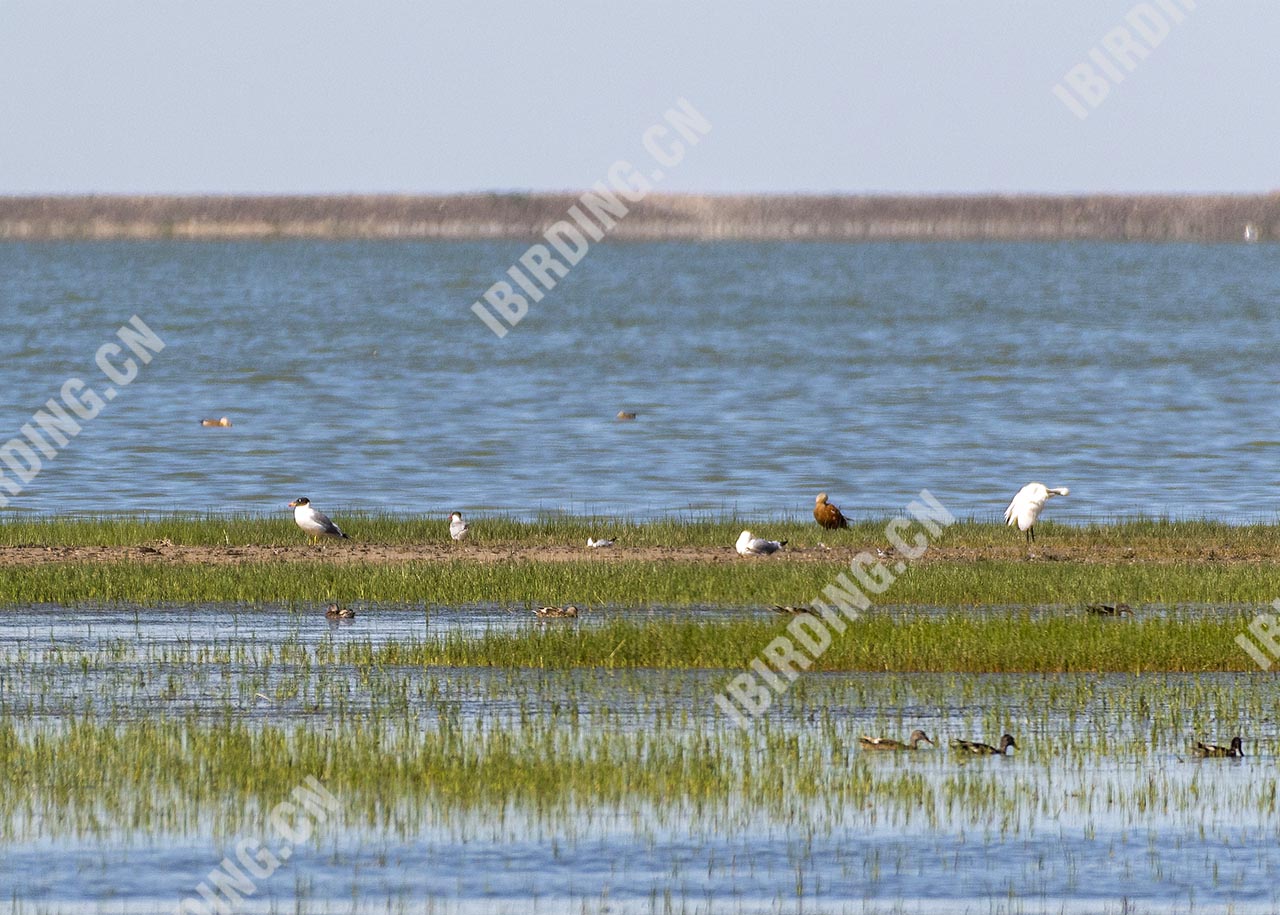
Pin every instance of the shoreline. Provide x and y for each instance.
(657, 217)
(398, 539)
(399, 554)
(658, 565)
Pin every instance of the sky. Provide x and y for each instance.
(418, 96)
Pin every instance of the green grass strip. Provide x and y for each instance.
(633, 584)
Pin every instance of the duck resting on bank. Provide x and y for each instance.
(827, 514)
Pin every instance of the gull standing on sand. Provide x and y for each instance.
(315, 524)
(458, 529)
(1026, 506)
(748, 545)
(827, 514)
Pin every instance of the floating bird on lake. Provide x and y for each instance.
(1027, 505)
(888, 743)
(458, 529)
(597, 544)
(1217, 750)
(984, 749)
(315, 524)
(1109, 610)
(550, 613)
(224, 421)
(827, 514)
(623, 414)
(339, 613)
(748, 545)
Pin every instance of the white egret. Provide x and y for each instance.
(1026, 506)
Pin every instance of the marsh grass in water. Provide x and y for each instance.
(157, 735)
(178, 775)
(952, 642)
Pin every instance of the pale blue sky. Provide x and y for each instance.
(234, 96)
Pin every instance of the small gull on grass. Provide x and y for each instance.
(749, 545)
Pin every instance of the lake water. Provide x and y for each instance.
(1142, 376)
